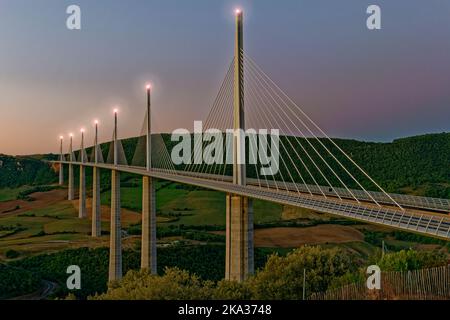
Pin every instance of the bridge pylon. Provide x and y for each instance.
(96, 209)
(61, 159)
(239, 210)
(71, 187)
(148, 241)
(82, 194)
(115, 246)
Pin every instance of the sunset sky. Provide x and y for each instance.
(355, 83)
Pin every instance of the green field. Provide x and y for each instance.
(54, 229)
(8, 194)
(191, 206)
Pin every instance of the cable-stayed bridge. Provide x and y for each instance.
(312, 170)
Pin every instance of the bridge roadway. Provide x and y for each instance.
(420, 215)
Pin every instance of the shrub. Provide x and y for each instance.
(12, 254)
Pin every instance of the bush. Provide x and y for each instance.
(405, 260)
(25, 195)
(175, 284)
(281, 278)
(16, 282)
(12, 254)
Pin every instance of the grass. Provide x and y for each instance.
(8, 194)
(57, 227)
(192, 206)
(52, 228)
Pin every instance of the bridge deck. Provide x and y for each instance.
(421, 219)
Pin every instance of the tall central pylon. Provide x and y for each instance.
(239, 210)
(148, 241)
(115, 246)
(239, 174)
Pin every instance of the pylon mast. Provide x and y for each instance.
(239, 174)
(149, 130)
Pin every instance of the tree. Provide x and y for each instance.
(405, 260)
(175, 284)
(282, 277)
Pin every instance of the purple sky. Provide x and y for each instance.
(355, 83)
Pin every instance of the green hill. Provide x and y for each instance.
(20, 171)
(416, 165)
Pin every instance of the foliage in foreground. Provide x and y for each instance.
(405, 260)
(207, 261)
(15, 282)
(280, 279)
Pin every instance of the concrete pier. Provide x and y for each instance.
(82, 212)
(148, 241)
(96, 204)
(148, 251)
(96, 209)
(61, 158)
(239, 262)
(239, 238)
(61, 174)
(71, 186)
(115, 246)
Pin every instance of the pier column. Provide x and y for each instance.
(148, 251)
(239, 210)
(148, 241)
(96, 209)
(61, 174)
(239, 238)
(71, 187)
(96, 202)
(115, 246)
(82, 197)
(61, 159)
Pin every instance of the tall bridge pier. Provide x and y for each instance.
(115, 247)
(71, 190)
(82, 196)
(61, 159)
(96, 209)
(148, 241)
(239, 262)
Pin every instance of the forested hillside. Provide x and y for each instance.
(19, 171)
(417, 165)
